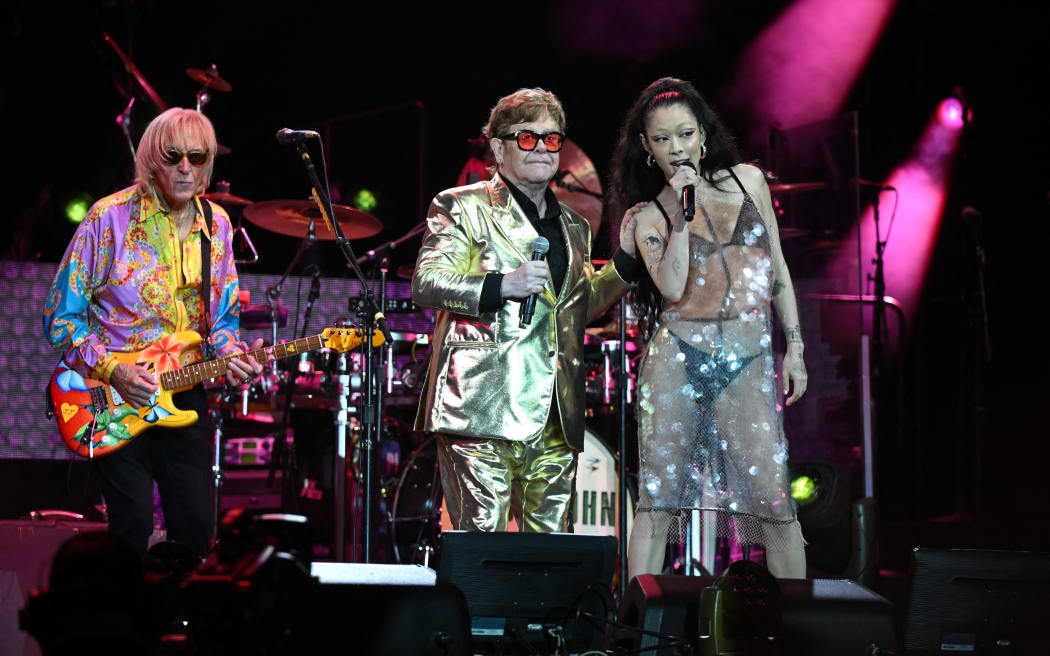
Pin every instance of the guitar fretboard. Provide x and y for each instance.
(195, 373)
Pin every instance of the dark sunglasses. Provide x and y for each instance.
(527, 140)
(172, 157)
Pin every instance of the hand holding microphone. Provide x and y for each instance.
(527, 280)
(685, 181)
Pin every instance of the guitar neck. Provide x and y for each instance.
(196, 373)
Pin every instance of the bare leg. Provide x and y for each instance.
(647, 545)
(789, 563)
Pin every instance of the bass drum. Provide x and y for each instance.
(418, 514)
(596, 510)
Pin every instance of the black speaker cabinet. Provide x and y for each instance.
(978, 601)
(821, 616)
(62, 484)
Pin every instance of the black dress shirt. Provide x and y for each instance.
(549, 226)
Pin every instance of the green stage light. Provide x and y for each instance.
(365, 200)
(803, 490)
(77, 208)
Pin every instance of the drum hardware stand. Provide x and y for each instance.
(216, 472)
(290, 478)
(223, 186)
(621, 415)
(373, 318)
(390, 245)
(273, 297)
(124, 121)
(559, 180)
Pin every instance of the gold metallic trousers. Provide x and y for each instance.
(485, 481)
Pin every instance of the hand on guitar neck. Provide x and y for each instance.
(239, 372)
(137, 385)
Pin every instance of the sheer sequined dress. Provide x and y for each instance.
(709, 424)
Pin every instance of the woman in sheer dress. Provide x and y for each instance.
(709, 416)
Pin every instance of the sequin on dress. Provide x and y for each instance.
(709, 420)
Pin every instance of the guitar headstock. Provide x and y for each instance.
(347, 339)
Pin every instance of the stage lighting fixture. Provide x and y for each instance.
(77, 208)
(950, 113)
(822, 492)
(365, 200)
(803, 490)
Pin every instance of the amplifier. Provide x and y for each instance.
(249, 487)
(248, 450)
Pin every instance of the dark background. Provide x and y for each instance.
(979, 478)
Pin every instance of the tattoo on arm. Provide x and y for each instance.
(777, 287)
(654, 244)
(795, 333)
(655, 247)
(676, 266)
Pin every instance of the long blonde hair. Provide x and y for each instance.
(176, 127)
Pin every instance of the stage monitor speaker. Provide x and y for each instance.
(27, 485)
(394, 618)
(984, 602)
(821, 617)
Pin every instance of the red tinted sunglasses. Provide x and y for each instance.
(527, 140)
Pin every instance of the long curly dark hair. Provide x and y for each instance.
(634, 181)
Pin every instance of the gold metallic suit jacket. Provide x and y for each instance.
(488, 377)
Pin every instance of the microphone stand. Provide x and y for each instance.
(273, 297)
(878, 318)
(373, 318)
(621, 415)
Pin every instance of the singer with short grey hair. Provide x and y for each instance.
(509, 270)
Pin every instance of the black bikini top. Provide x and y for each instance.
(745, 232)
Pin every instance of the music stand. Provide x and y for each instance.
(529, 587)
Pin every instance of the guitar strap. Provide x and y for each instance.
(205, 208)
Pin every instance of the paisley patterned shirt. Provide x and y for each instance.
(125, 281)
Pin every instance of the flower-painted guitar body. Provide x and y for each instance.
(95, 421)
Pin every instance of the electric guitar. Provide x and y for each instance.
(95, 421)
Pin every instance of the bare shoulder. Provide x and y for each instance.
(752, 177)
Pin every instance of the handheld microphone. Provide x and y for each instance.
(287, 137)
(689, 196)
(540, 246)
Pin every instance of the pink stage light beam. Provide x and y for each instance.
(802, 67)
(922, 186)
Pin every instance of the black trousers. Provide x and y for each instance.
(180, 461)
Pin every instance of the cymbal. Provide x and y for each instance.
(291, 217)
(137, 74)
(226, 198)
(209, 77)
(405, 271)
(579, 172)
(222, 150)
(797, 187)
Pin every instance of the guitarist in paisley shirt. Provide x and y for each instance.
(132, 277)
